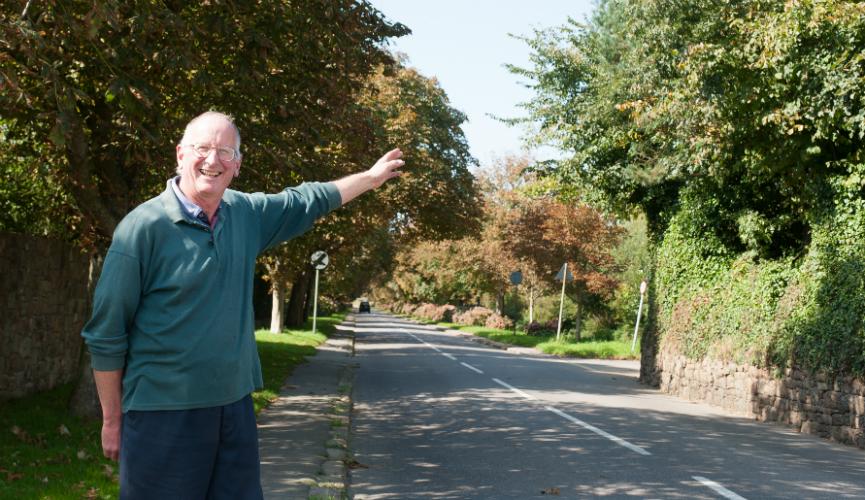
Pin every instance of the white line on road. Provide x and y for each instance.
(724, 492)
(436, 349)
(470, 367)
(599, 432)
(560, 413)
(521, 393)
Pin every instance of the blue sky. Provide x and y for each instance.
(465, 44)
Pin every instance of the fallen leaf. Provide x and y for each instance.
(550, 491)
(82, 455)
(64, 431)
(92, 493)
(354, 464)
(108, 471)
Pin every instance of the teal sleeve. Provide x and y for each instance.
(114, 304)
(292, 212)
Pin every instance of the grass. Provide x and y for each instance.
(281, 352)
(566, 347)
(588, 348)
(45, 453)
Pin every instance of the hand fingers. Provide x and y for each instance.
(393, 154)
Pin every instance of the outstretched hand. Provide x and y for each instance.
(386, 168)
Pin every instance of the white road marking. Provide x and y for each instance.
(436, 349)
(724, 492)
(560, 413)
(521, 393)
(470, 367)
(599, 432)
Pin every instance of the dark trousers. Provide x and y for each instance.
(207, 453)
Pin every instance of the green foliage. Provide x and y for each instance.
(591, 349)
(108, 86)
(634, 261)
(737, 128)
(806, 311)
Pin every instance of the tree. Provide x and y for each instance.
(105, 88)
(109, 86)
(435, 197)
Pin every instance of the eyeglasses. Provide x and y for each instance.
(223, 153)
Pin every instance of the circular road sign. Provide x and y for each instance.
(516, 278)
(319, 259)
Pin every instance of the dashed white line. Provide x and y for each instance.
(564, 415)
(470, 367)
(599, 432)
(724, 492)
(521, 393)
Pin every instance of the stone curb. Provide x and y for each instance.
(331, 483)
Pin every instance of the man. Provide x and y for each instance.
(171, 335)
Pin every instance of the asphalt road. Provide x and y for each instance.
(439, 416)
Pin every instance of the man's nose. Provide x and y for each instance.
(212, 156)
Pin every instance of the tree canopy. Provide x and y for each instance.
(97, 93)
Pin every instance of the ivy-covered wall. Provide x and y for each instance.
(801, 310)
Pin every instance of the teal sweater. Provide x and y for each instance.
(173, 306)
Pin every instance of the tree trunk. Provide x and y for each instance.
(531, 305)
(578, 325)
(278, 310)
(294, 313)
(310, 296)
(500, 302)
(84, 401)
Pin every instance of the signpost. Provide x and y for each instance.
(565, 276)
(643, 287)
(319, 261)
(516, 279)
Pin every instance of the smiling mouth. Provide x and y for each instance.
(209, 173)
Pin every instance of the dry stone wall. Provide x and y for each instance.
(43, 283)
(811, 403)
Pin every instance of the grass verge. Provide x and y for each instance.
(566, 347)
(48, 454)
(281, 352)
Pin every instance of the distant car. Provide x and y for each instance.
(363, 307)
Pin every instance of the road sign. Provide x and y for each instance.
(319, 259)
(562, 271)
(516, 278)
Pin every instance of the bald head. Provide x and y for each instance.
(206, 119)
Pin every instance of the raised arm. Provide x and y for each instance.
(385, 168)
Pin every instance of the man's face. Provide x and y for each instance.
(206, 179)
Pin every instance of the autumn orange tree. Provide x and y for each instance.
(525, 228)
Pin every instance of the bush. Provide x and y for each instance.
(425, 311)
(541, 329)
(476, 316)
(435, 312)
(498, 321)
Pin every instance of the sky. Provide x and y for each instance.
(465, 45)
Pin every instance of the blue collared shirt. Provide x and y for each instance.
(191, 208)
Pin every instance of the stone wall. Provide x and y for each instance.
(45, 303)
(813, 404)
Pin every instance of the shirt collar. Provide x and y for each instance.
(190, 208)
